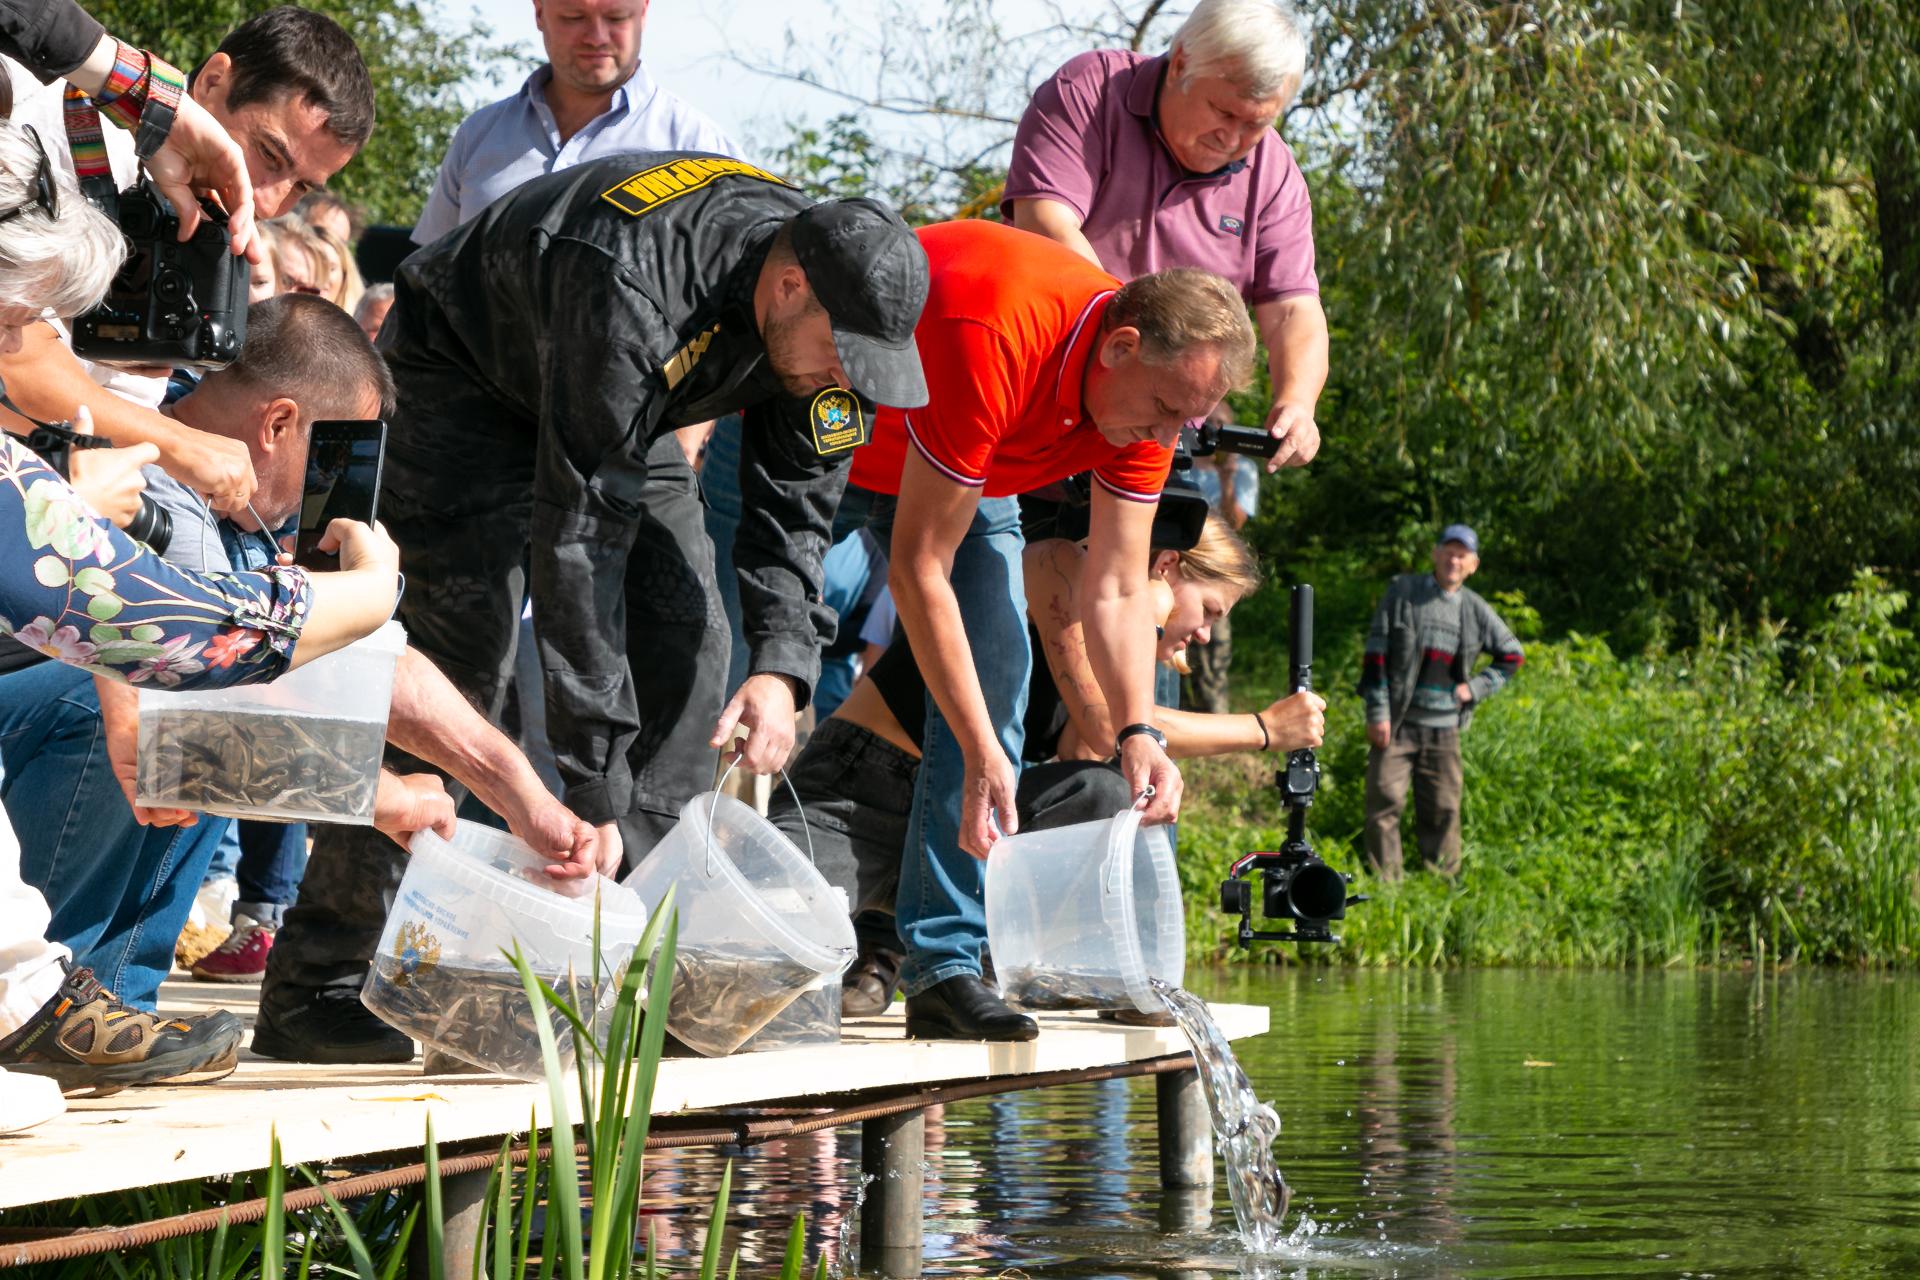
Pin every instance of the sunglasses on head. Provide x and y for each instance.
(46, 193)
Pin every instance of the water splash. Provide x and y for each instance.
(851, 1215)
(1244, 1127)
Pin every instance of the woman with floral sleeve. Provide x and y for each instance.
(76, 588)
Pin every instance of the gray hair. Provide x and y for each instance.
(60, 264)
(1256, 44)
(373, 297)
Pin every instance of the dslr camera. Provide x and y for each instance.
(1296, 887)
(172, 303)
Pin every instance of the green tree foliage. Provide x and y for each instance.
(1629, 283)
(1619, 282)
(419, 60)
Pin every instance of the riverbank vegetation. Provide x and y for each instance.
(1755, 797)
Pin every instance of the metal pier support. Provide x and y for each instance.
(463, 1198)
(1186, 1130)
(892, 1149)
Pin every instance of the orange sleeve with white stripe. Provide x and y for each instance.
(1138, 472)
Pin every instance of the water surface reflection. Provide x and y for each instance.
(1511, 1124)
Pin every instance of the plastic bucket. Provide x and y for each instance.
(758, 924)
(306, 747)
(1082, 917)
(439, 974)
(811, 1020)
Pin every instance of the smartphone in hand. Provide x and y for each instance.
(343, 482)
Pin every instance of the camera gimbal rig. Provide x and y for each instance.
(1295, 885)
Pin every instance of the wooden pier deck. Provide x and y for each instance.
(329, 1115)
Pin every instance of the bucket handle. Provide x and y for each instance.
(1113, 864)
(805, 828)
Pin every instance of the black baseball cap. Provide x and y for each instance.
(870, 273)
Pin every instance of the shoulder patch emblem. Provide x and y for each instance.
(650, 188)
(838, 425)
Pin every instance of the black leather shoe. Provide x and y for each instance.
(867, 990)
(325, 1024)
(965, 1008)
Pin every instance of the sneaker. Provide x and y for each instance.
(324, 1024)
(26, 1101)
(242, 957)
(85, 1039)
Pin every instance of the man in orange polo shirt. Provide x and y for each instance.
(1039, 366)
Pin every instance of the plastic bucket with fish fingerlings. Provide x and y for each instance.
(304, 748)
(758, 924)
(1082, 917)
(440, 975)
(812, 1020)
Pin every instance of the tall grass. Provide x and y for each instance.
(1757, 797)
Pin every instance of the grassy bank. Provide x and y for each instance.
(1755, 797)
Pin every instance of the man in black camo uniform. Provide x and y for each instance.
(542, 351)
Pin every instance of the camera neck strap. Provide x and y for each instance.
(87, 144)
(47, 436)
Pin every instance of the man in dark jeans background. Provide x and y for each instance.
(1420, 689)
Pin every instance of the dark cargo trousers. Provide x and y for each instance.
(456, 496)
(1430, 760)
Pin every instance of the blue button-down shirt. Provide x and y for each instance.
(516, 140)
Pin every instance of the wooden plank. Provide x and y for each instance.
(324, 1114)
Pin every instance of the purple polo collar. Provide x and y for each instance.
(1143, 99)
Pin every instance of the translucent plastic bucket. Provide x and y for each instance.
(811, 1020)
(439, 974)
(758, 925)
(1082, 917)
(306, 747)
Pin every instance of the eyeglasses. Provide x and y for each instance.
(46, 193)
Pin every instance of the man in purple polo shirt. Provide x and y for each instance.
(1145, 163)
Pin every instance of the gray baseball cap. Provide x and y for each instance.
(1462, 534)
(870, 273)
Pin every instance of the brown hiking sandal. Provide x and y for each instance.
(87, 1040)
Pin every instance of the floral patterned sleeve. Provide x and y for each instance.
(77, 589)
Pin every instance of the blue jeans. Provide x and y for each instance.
(273, 856)
(720, 491)
(119, 892)
(941, 906)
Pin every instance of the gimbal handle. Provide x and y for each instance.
(1300, 637)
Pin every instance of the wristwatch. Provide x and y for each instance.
(1139, 730)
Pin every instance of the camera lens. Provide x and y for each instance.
(153, 525)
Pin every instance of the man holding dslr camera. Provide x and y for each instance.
(290, 86)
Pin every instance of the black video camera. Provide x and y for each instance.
(172, 303)
(1295, 885)
(55, 443)
(1214, 437)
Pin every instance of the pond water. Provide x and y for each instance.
(1479, 1124)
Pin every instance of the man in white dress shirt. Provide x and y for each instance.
(593, 98)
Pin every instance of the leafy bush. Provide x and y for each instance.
(1753, 798)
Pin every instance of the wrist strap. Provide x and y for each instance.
(1140, 731)
(1266, 739)
(165, 87)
